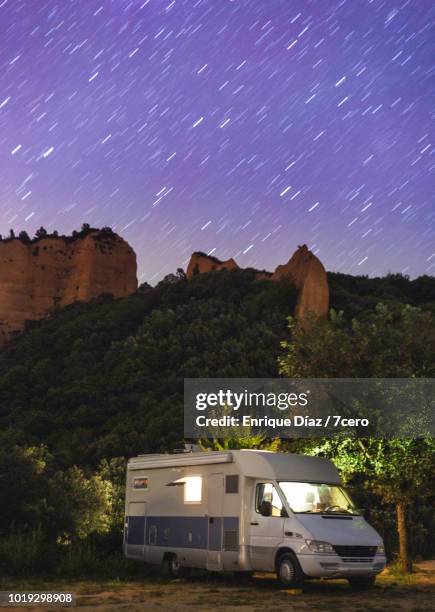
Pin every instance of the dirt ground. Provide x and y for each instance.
(205, 592)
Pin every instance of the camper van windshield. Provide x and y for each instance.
(317, 498)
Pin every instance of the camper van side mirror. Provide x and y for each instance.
(266, 508)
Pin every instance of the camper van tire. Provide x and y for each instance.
(288, 570)
(361, 583)
(176, 570)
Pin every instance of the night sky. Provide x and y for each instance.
(241, 128)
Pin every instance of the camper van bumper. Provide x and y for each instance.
(322, 566)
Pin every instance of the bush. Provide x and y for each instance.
(24, 553)
(28, 553)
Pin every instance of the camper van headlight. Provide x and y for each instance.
(380, 550)
(319, 547)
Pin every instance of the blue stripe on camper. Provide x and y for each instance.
(136, 530)
(180, 531)
(231, 523)
(177, 531)
(215, 534)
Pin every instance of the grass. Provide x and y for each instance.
(261, 594)
(24, 554)
(110, 580)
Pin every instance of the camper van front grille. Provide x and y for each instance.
(355, 551)
(231, 540)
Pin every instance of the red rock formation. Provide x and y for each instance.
(309, 276)
(53, 272)
(304, 269)
(200, 263)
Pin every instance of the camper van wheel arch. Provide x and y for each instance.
(288, 570)
(175, 570)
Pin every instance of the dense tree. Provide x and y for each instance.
(113, 471)
(96, 383)
(23, 482)
(68, 505)
(41, 233)
(389, 342)
(240, 438)
(397, 471)
(106, 379)
(356, 295)
(24, 237)
(82, 502)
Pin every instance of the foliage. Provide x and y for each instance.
(396, 341)
(69, 504)
(96, 383)
(22, 484)
(359, 295)
(237, 439)
(399, 474)
(105, 233)
(85, 504)
(26, 553)
(106, 379)
(21, 552)
(394, 469)
(390, 341)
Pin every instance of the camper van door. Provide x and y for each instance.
(135, 529)
(215, 502)
(266, 525)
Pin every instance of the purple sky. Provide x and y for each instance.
(241, 128)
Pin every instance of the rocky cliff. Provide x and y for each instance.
(309, 276)
(50, 272)
(201, 263)
(303, 269)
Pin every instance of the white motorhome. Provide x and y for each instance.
(247, 511)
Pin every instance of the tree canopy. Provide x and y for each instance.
(96, 383)
(397, 342)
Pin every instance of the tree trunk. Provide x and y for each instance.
(405, 559)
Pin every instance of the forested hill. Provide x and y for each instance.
(105, 379)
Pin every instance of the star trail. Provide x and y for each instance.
(241, 128)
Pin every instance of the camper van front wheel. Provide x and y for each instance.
(288, 570)
(175, 569)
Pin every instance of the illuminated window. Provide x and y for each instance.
(192, 489)
(317, 498)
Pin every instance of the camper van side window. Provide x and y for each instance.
(232, 483)
(140, 483)
(267, 500)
